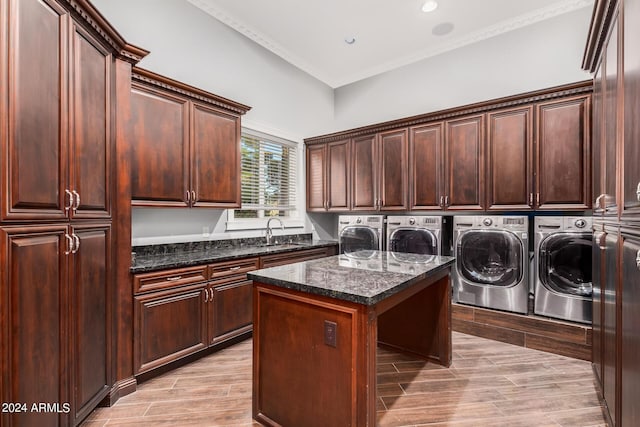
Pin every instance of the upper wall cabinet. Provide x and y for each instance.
(563, 158)
(56, 121)
(510, 159)
(185, 145)
(328, 175)
(426, 167)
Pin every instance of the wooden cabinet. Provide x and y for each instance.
(610, 297)
(187, 149)
(364, 173)
(563, 148)
(58, 145)
(328, 175)
(598, 263)
(597, 144)
(298, 256)
(464, 164)
(230, 301)
(426, 173)
(57, 317)
(510, 176)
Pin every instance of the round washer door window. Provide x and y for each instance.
(490, 258)
(413, 241)
(356, 238)
(565, 263)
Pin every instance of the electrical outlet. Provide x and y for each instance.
(205, 231)
(330, 333)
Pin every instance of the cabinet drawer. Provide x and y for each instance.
(291, 257)
(158, 280)
(232, 268)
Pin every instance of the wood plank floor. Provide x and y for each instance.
(489, 384)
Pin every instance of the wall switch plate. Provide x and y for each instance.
(330, 333)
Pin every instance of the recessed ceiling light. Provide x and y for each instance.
(349, 40)
(429, 6)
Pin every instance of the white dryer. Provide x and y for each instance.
(360, 233)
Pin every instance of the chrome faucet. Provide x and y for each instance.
(269, 233)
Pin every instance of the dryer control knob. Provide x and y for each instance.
(487, 221)
(412, 221)
(581, 223)
(359, 220)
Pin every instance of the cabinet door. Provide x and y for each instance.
(338, 164)
(630, 151)
(91, 319)
(610, 116)
(510, 160)
(597, 146)
(316, 178)
(393, 192)
(33, 310)
(630, 330)
(609, 321)
(425, 167)
(231, 309)
(215, 157)
(159, 148)
(90, 133)
(169, 325)
(34, 113)
(464, 160)
(598, 253)
(364, 167)
(563, 169)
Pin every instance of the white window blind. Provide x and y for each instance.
(269, 174)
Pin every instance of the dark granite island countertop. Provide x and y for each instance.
(317, 325)
(365, 277)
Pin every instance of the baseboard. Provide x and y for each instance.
(120, 389)
(540, 333)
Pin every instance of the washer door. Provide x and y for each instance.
(355, 238)
(490, 257)
(414, 241)
(565, 263)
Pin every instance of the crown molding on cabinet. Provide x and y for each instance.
(601, 20)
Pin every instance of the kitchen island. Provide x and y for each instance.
(317, 325)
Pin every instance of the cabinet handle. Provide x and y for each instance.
(538, 199)
(76, 246)
(188, 197)
(67, 207)
(235, 268)
(446, 201)
(76, 205)
(328, 204)
(193, 196)
(598, 202)
(602, 241)
(638, 192)
(206, 295)
(211, 298)
(638, 259)
(530, 199)
(441, 201)
(69, 244)
(174, 278)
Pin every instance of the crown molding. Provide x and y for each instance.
(556, 9)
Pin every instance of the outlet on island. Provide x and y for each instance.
(330, 332)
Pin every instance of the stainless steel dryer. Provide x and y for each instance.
(360, 232)
(491, 262)
(417, 234)
(563, 286)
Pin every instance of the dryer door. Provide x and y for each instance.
(565, 263)
(355, 238)
(490, 257)
(413, 240)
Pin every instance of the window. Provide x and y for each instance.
(269, 180)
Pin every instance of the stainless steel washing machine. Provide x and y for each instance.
(563, 286)
(360, 233)
(492, 262)
(418, 234)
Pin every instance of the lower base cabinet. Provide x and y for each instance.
(630, 329)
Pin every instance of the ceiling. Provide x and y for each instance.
(388, 33)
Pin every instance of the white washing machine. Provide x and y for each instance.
(492, 263)
(416, 234)
(360, 233)
(563, 283)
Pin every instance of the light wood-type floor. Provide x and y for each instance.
(488, 384)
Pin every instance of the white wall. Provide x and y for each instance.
(542, 55)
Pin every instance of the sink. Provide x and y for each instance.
(279, 245)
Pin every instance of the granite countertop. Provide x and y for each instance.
(365, 277)
(203, 254)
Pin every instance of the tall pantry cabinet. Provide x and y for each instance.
(58, 79)
(613, 56)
